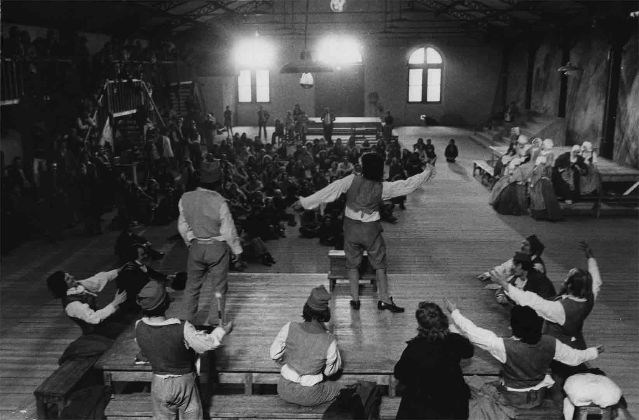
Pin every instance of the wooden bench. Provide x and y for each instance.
(486, 171)
(139, 406)
(547, 411)
(53, 395)
(337, 269)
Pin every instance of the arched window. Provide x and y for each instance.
(425, 76)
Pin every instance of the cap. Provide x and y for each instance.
(318, 300)
(151, 296)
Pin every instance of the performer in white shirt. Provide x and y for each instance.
(362, 228)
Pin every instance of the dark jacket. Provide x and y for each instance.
(433, 385)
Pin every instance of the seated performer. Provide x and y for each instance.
(590, 179)
(531, 246)
(543, 202)
(525, 357)
(565, 314)
(565, 176)
(525, 277)
(429, 370)
(79, 301)
(307, 353)
(362, 227)
(171, 346)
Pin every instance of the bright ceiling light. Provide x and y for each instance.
(339, 50)
(254, 53)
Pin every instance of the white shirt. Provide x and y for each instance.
(553, 310)
(333, 360)
(228, 233)
(199, 341)
(389, 190)
(489, 341)
(586, 388)
(93, 285)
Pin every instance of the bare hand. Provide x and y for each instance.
(483, 277)
(583, 245)
(499, 279)
(228, 327)
(450, 306)
(235, 258)
(120, 297)
(600, 349)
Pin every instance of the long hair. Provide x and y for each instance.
(578, 284)
(432, 324)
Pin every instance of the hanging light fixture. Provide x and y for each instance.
(306, 81)
(337, 5)
(305, 64)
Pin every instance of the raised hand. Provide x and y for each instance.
(449, 305)
(120, 297)
(499, 279)
(228, 327)
(600, 349)
(583, 245)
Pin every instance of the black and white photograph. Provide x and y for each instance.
(319, 209)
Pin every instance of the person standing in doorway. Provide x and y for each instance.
(206, 225)
(327, 123)
(262, 120)
(228, 122)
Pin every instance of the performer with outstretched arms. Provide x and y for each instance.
(362, 228)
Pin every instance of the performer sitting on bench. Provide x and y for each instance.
(362, 227)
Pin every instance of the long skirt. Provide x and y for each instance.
(543, 201)
(512, 200)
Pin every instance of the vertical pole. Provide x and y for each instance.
(563, 87)
(530, 73)
(612, 96)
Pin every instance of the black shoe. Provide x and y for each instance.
(355, 304)
(390, 306)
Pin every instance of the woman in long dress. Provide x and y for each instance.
(590, 179)
(508, 195)
(543, 201)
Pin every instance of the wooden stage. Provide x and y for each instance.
(447, 236)
(370, 341)
(610, 171)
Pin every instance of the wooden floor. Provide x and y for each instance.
(446, 236)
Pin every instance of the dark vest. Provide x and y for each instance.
(306, 347)
(201, 210)
(571, 332)
(527, 364)
(364, 195)
(164, 346)
(82, 298)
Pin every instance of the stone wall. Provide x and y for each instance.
(586, 99)
(626, 149)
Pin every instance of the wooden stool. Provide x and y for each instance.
(583, 412)
(337, 269)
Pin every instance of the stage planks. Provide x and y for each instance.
(447, 235)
